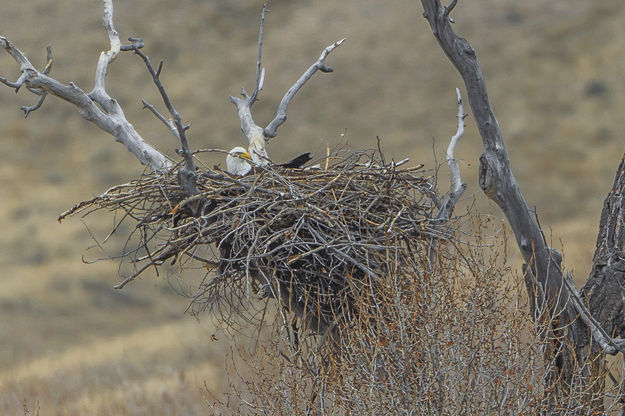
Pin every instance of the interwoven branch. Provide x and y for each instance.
(313, 240)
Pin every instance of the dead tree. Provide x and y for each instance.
(585, 326)
(181, 198)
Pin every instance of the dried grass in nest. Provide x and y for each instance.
(320, 241)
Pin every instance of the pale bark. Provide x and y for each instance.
(257, 136)
(96, 106)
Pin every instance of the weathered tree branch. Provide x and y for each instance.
(609, 345)
(272, 128)
(604, 290)
(257, 136)
(457, 186)
(495, 176)
(252, 131)
(551, 292)
(187, 174)
(260, 74)
(544, 278)
(96, 106)
(42, 94)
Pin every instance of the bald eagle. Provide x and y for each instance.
(236, 161)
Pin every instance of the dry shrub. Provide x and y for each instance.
(453, 339)
(446, 339)
(365, 317)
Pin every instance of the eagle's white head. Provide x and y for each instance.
(236, 162)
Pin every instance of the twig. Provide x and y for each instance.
(187, 174)
(162, 118)
(260, 74)
(134, 275)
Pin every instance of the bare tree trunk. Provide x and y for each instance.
(603, 291)
(605, 284)
(582, 334)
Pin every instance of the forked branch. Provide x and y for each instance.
(96, 106)
(257, 136)
(187, 174)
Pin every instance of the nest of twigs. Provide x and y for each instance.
(320, 241)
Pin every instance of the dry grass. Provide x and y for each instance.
(159, 370)
(391, 80)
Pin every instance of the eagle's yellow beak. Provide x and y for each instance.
(245, 155)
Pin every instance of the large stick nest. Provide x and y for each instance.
(319, 241)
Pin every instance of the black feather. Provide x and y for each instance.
(297, 162)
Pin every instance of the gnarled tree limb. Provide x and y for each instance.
(495, 176)
(544, 278)
(96, 106)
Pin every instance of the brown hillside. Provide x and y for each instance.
(73, 344)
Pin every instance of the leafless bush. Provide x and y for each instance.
(451, 339)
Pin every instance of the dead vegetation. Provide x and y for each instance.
(343, 253)
(357, 250)
(317, 240)
(453, 340)
(457, 340)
